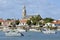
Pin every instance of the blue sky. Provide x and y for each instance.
(13, 8)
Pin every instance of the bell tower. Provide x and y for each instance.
(24, 11)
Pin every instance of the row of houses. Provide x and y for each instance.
(22, 22)
(8, 22)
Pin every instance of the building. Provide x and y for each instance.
(1, 22)
(5, 22)
(23, 22)
(24, 12)
(25, 17)
(56, 22)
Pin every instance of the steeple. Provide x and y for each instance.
(24, 11)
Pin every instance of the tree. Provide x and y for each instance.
(34, 23)
(35, 19)
(38, 17)
(0, 24)
(40, 23)
(46, 20)
(11, 23)
(17, 22)
(8, 19)
(28, 22)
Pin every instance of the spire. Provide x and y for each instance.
(24, 12)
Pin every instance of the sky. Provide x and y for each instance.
(46, 8)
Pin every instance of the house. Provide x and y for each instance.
(7, 22)
(23, 22)
(1, 21)
(54, 23)
(4, 22)
(50, 25)
(57, 23)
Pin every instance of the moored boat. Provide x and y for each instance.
(21, 30)
(35, 30)
(48, 31)
(13, 33)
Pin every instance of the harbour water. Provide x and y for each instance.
(32, 36)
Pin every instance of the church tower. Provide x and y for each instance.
(24, 12)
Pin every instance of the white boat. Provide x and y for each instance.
(6, 29)
(49, 31)
(58, 29)
(21, 30)
(34, 30)
(13, 33)
(1, 28)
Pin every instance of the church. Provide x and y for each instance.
(25, 17)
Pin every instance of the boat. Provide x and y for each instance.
(5, 29)
(58, 29)
(49, 31)
(1, 28)
(35, 30)
(13, 33)
(21, 30)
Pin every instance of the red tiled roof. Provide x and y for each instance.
(9, 20)
(1, 20)
(23, 20)
(56, 22)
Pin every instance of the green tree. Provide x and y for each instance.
(0, 24)
(34, 23)
(46, 20)
(8, 19)
(11, 23)
(28, 22)
(35, 19)
(40, 23)
(38, 18)
(17, 22)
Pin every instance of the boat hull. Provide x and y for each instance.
(48, 32)
(12, 34)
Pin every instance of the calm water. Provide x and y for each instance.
(32, 36)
